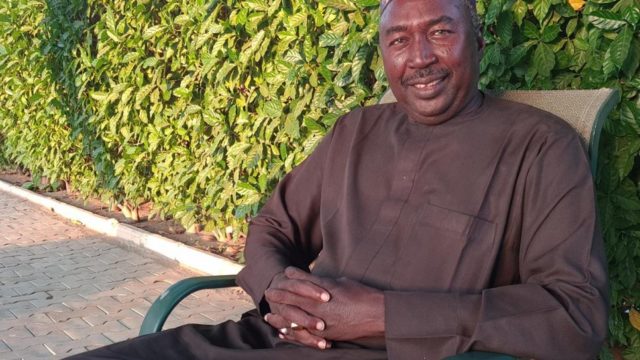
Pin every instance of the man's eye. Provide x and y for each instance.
(441, 32)
(398, 41)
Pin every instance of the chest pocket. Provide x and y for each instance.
(446, 251)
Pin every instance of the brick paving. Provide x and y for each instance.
(65, 289)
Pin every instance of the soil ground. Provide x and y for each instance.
(167, 228)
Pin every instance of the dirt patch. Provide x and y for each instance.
(167, 228)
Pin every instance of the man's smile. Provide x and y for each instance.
(427, 86)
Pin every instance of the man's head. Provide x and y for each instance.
(431, 51)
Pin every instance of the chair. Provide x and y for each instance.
(585, 110)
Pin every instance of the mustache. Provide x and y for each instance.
(424, 73)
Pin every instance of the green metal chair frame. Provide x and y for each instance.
(585, 110)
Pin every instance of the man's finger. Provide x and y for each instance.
(306, 338)
(303, 288)
(298, 335)
(281, 297)
(307, 284)
(277, 322)
(291, 317)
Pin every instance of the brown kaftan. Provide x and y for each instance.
(481, 230)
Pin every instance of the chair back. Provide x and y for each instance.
(585, 110)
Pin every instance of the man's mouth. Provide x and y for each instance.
(428, 85)
(426, 79)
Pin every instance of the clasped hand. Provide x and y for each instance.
(312, 310)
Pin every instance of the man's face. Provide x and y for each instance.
(431, 57)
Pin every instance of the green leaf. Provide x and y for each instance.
(273, 109)
(519, 9)
(627, 148)
(608, 66)
(367, 3)
(550, 33)
(339, 4)
(493, 11)
(620, 46)
(113, 36)
(541, 9)
(258, 5)
(182, 19)
(530, 30)
(292, 127)
(581, 44)
(544, 59)
(631, 15)
(150, 62)
(571, 26)
(504, 27)
(29, 185)
(182, 92)
(99, 96)
(518, 53)
(330, 39)
(493, 54)
(606, 20)
(246, 189)
(630, 66)
(626, 196)
(630, 115)
(152, 31)
(297, 19)
(130, 57)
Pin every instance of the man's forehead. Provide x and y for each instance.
(385, 3)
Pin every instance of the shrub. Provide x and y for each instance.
(199, 107)
(34, 129)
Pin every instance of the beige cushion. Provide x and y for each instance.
(580, 108)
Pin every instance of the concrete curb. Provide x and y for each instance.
(185, 255)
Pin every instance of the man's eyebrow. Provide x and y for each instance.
(395, 29)
(439, 20)
(442, 19)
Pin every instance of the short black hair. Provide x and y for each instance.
(470, 5)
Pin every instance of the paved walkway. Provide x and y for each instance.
(65, 289)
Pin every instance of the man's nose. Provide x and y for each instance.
(422, 54)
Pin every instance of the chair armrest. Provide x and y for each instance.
(164, 304)
(478, 355)
(161, 308)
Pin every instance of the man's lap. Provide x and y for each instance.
(249, 338)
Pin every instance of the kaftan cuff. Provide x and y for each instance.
(255, 280)
(411, 315)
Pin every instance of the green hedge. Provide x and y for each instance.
(197, 106)
(201, 106)
(34, 129)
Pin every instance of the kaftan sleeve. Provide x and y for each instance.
(286, 232)
(558, 311)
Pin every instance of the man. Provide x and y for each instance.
(448, 222)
